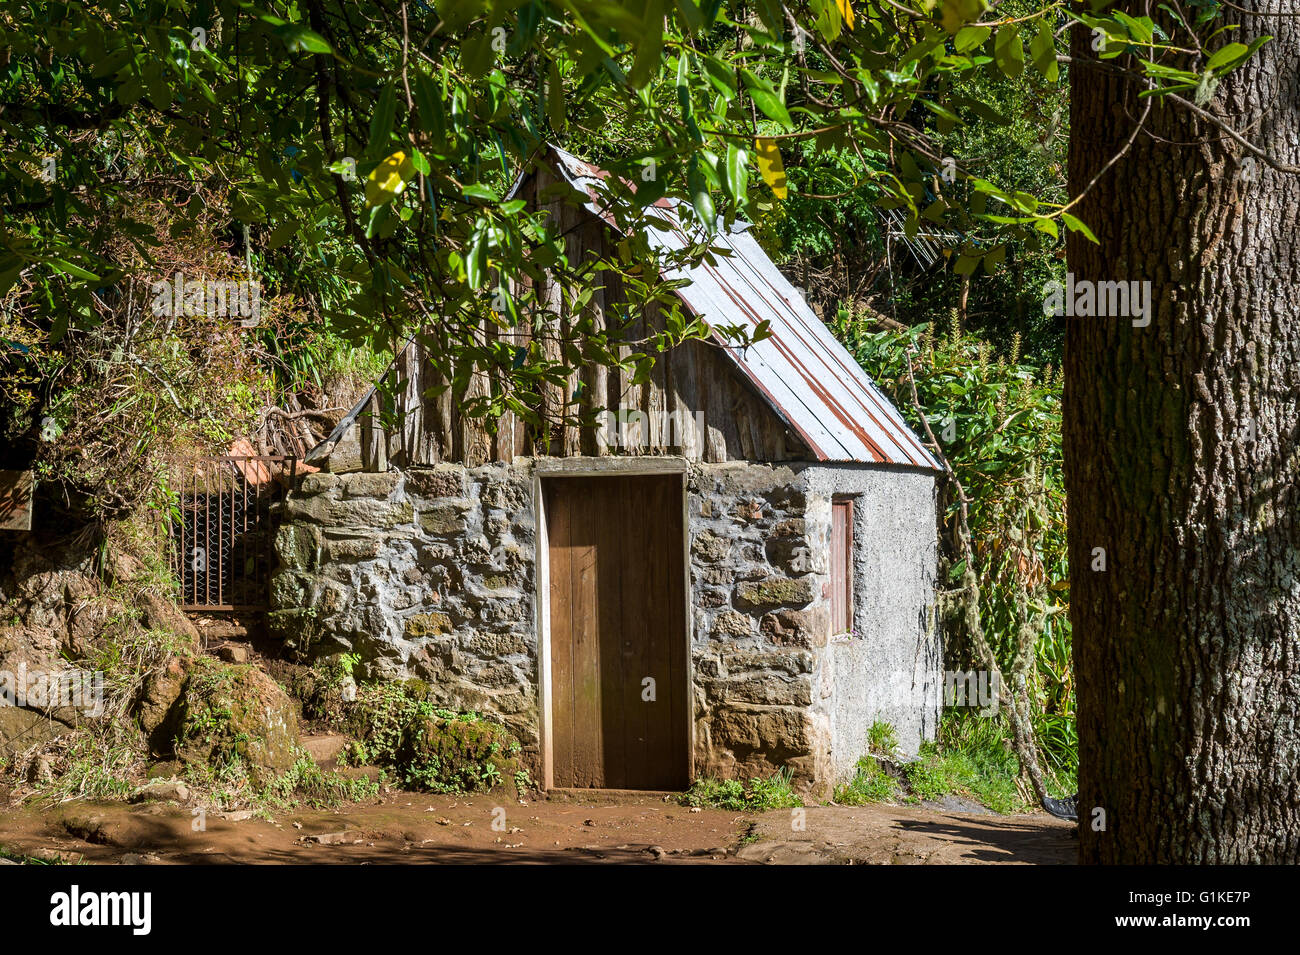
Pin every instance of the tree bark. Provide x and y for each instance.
(1182, 463)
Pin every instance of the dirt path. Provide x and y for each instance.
(418, 828)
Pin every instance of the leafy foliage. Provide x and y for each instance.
(430, 747)
(758, 795)
(998, 421)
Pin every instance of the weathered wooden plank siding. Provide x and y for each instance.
(695, 403)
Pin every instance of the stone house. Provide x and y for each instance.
(736, 576)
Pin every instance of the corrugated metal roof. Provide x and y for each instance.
(808, 377)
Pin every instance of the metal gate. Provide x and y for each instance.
(222, 543)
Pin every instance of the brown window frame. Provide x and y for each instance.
(841, 565)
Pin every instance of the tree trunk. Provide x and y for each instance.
(1182, 464)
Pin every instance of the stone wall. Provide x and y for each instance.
(431, 574)
(426, 574)
(760, 574)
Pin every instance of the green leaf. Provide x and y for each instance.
(381, 121)
(1076, 225)
(969, 38)
(555, 97)
(957, 13)
(476, 54)
(650, 47)
(282, 234)
(698, 185)
(766, 98)
(299, 39)
(1009, 51)
(76, 271)
(736, 174)
(1227, 56)
(1043, 50)
(428, 108)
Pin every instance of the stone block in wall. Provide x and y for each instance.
(446, 517)
(361, 513)
(731, 624)
(441, 481)
(317, 483)
(709, 597)
(296, 546)
(767, 688)
(423, 625)
(797, 628)
(776, 592)
(743, 478)
(486, 645)
(369, 484)
(289, 589)
(790, 663)
(776, 730)
(350, 549)
(795, 556)
(710, 547)
(512, 496)
(791, 499)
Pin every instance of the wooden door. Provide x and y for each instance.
(618, 698)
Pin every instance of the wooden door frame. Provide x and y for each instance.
(612, 467)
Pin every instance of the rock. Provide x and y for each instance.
(345, 837)
(765, 688)
(158, 695)
(364, 484)
(316, 483)
(775, 592)
(40, 773)
(233, 653)
(794, 556)
(237, 714)
(157, 613)
(324, 749)
(436, 482)
(507, 495)
(21, 728)
(298, 544)
(731, 623)
(709, 547)
(162, 791)
(445, 518)
(4, 861)
(361, 513)
(427, 625)
(792, 527)
(797, 628)
(354, 548)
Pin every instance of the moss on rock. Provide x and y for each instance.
(233, 714)
(432, 748)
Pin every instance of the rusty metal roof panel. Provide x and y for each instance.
(807, 376)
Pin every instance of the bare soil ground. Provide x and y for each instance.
(420, 828)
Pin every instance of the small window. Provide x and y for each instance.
(841, 565)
